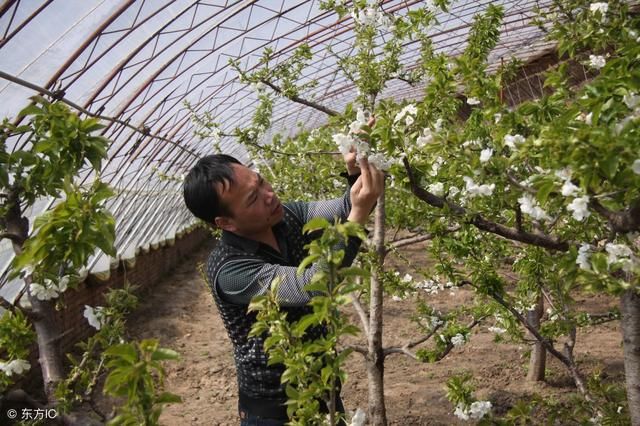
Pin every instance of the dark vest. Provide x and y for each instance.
(256, 380)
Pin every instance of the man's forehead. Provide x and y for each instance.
(242, 177)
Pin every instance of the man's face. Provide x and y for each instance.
(253, 205)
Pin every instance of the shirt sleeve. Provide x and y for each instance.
(240, 280)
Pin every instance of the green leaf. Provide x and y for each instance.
(164, 354)
(315, 224)
(126, 351)
(609, 165)
(544, 190)
(168, 398)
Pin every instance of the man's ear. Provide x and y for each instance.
(224, 223)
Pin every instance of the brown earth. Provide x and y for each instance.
(181, 313)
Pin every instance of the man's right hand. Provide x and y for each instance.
(365, 192)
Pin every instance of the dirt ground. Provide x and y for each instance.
(181, 313)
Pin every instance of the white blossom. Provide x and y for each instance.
(476, 410)
(513, 140)
(407, 110)
(358, 418)
(425, 138)
(46, 291)
(530, 207)
(497, 330)
(473, 101)
(380, 161)
(438, 125)
(345, 142)
(361, 120)
(435, 321)
(436, 189)
(569, 189)
(461, 413)
(408, 120)
(458, 340)
(599, 7)
(485, 155)
(63, 284)
(16, 366)
(435, 167)
(95, 316)
(564, 174)
(597, 61)
(579, 208)
(583, 257)
(631, 100)
(479, 409)
(497, 117)
(618, 253)
(471, 143)
(473, 189)
(431, 286)
(636, 166)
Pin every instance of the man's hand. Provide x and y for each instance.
(350, 157)
(365, 192)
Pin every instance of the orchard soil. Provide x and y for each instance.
(181, 313)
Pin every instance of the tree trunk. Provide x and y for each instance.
(538, 360)
(375, 357)
(630, 306)
(42, 313)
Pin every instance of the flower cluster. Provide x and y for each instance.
(582, 259)
(497, 330)
(96, 316)
(621, 254)
(372, 16)
(530, 207)
(458, 340)
(433, 287)
(473, 189)
(485, 155)
(48, 289)
(600, 7)
(407, 113)
(16, 366)
(512, 141)
(476, 410)
(597, 61)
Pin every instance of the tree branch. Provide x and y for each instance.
(623, 221)
(480, 222)
(300, 100)
(402, 242)
(364, 318)
(11, 236)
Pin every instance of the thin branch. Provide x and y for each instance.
(300, 100)
(364, 317)
(480, 222)
(360, 349)
(518, 185)
(11, 236)
(623, 221)
(567, 360)
(416, 239)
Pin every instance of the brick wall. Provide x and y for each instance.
(149, 268)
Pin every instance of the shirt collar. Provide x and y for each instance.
(249, 245)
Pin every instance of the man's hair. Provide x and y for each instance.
(199, 191)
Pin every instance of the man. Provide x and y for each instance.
(262, 239)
